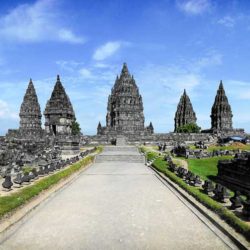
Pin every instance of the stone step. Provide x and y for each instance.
(126, 158)
(120, 148)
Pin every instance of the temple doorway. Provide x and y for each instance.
(54, 129)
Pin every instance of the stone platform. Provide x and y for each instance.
(120, 153)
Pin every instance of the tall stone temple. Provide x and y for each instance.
(30, 112)
(184, 113)
(59, 113)
(221, 113)
(125, 109)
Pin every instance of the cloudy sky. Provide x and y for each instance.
(168, 45)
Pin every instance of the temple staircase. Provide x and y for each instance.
(120, 153)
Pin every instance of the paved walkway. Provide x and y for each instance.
(112, 205)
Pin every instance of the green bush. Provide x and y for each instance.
(27, 169)
(189, 128)
(76, 130)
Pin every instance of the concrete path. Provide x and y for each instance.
(112, 205)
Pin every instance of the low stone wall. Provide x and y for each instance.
(151, 139)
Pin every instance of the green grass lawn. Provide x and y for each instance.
(230, 147)
(207, 167)
(234, 146)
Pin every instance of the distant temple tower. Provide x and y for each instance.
(30, 112)
(184, 113)
(125, 108)
(150, 128)
(221, 114)
(59, 113)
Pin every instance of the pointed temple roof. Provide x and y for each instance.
(185, 104)
(184, 113)
(59, 102)
(221, 112)
(30, 112)
(124, 80)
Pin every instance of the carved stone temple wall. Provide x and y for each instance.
(125, 110)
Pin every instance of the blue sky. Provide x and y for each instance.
(168, 45)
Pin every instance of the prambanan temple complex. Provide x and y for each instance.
(125, 123)
(125, 116)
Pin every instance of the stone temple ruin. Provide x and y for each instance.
(185, 113)
(30, 113)
(221, 115)
(59, 117)
(125, 110)
(27, 144)
(59, 113)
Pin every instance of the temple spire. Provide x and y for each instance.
(124, 67)
(30, 112)
(59, 113)
(125, 71)
(221, 85)
(221, 113)
(184, 113)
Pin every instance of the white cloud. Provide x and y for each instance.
(172, 80)
(106, 50)
(68, 35)
(6, 112)
(212, 58)
(69, 65)
(238, 89)
(194, 7)
(227, 21)
(36, 23)
(85, 73)
(101, 65)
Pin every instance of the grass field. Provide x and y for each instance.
(206, 168)
(233, 146)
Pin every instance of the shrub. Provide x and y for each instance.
(189, 128)
(76, 130)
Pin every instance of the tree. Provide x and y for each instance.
(76, 130)
(189, 128)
